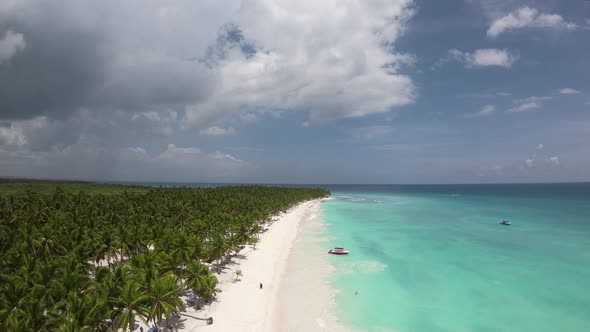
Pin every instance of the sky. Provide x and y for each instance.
(280, 91)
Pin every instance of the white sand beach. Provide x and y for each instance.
(242, 305)
(307, 300)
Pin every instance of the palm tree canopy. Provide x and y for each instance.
(70, 261)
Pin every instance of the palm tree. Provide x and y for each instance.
(146, 267)
(13, 291)
(238, 274)
(84, 312)
(182, 249)
(163, 298)
(184, 214)
(34, 316)
(129, 304)
(167, 262)
(209, 289)
(109, 244)
(16, 324)
(253, 240)
(195, 276)
(218, 248)
(124, 241)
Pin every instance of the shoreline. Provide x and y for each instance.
(308, 301)
(242, 305)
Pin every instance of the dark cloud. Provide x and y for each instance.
(60, 64)
(88, 160)
(84, 57)
(86, 84)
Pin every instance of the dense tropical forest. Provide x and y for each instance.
(16, 186)
(98, 262)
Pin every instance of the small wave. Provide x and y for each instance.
(351, 198)
(357, 199)
(454, 195)
(364, 267)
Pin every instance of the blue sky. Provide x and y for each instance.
(275, 91)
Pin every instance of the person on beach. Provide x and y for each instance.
(260, 285)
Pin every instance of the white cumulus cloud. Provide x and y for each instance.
(162, 123)
(568, 91)
(10, 43)
(544, 160)
(526, 17)
(138, 151)
(524, 107)
(173, 151)
(225, 156)
(12, 136)
(213, 61)
(335, 59)
(483, 57)
(216, 131)
(485, 111)
(25, 132)
(527, 104)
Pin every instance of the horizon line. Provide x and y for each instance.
(280, 183)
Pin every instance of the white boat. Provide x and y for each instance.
(505, 222)
(338, 251)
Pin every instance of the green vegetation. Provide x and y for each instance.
(21, 186)
(97, 262)
(238, 273)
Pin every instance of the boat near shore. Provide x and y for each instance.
(338, 251)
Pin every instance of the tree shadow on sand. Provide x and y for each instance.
(227, 262)
(177, 323)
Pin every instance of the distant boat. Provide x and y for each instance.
(505, 222)
(338, 251)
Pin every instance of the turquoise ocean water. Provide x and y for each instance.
(434, 258)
